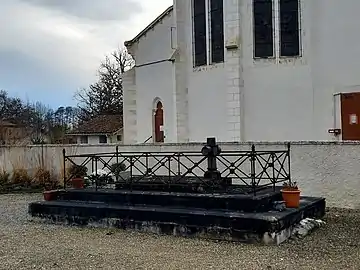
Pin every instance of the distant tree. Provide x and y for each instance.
(106, 95)
(42, 123)
(13, 109)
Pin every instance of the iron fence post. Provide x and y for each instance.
(289, 165)
(178, 164)
(117, 165)
(64, 166)
(169, 172)
(131, 173)
(96, 176)
(273, 170)
(252, 168)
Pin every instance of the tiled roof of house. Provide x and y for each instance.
(6, 124)
(150, 26)
(102, 124)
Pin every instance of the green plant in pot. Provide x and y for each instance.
(77, 173)
(291, 194)
(117, 168)
(49, 182)
(100, 179)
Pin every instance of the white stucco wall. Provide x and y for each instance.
(94, 139)
(207, 103)
(330, 170)
(129, 106)
(206, 88)
(282, 99)
(293, 99)
(154, 81)
(245, 98)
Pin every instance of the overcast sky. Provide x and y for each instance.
(51, 48)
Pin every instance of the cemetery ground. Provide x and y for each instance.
(26, 244)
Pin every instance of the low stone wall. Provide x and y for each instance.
(326, 169)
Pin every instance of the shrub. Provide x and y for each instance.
(4, 178)
(117, 168)
(45, 179)
(101, 178)
(77, 171)
(53, 183)
(42, 176)
(21, 176)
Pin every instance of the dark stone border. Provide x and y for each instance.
(227, 225)
(236, 202)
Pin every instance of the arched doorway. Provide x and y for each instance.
(159, 122)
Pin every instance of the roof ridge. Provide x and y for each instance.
(147, 28)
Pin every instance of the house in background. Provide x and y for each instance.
(249, 70)
(13, 134)
(102, 129)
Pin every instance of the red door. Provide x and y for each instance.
(350, 113)
(159, 123)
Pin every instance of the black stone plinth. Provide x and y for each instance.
(221, 201)
(215, 224)
(178, 184)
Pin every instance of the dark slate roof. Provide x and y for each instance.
(150, 26)
(102, 124)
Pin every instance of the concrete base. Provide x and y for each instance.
(270, 227)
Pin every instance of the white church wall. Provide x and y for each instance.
(283, 98)
(158, 43)
(293, 99)
(335, 53)
(207, 103)
(155, 83)
(155, 80)
(278, 92)
(206, 88)
(129, 106)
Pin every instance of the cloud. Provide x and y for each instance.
(49, 47)
(93, 10)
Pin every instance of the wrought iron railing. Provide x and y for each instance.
(209, 170)
(148, 139)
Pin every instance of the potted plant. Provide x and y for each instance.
(291, 194)
(77, 172)
(117, 169)
(100, 179)
(49, 193)
(48, 182)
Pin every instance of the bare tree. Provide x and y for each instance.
(106, 95)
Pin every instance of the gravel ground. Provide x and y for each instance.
(31, 245)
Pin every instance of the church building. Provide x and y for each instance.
(246, 70)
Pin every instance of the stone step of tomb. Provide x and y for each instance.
(263, 200)
(267, 227)
(178, 184)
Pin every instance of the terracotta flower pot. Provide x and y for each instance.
(291, 198)
(77, 183)
(49, 195)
